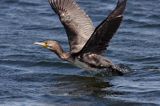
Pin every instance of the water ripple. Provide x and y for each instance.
(31, 75)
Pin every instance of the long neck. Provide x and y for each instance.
(60, 52)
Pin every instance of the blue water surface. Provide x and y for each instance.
(33, 76)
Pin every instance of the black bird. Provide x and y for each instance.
(87, 43)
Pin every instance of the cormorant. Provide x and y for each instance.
(87, 43)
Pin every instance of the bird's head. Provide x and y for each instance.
(49, 44)
(55, 47)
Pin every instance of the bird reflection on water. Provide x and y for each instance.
(79, 85)
(66, 85)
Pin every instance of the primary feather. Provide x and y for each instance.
(78, 25)
(104, 32)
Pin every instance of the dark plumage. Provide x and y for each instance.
(86, 42)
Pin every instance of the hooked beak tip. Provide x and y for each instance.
(39, 43)
(36, 43)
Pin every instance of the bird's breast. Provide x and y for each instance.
(77, 62)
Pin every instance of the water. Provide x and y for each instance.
(33, 76)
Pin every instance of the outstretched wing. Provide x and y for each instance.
(105, 31)
(77, 24)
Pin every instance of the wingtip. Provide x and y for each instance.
(122, 2)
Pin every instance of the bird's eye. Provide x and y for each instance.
(46, 44)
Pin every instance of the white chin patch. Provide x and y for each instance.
(49, 48)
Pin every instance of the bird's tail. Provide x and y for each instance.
(121, 69)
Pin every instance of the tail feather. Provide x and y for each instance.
(121, 68)
(115, 70)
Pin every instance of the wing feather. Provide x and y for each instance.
(102, 35)
(78, 25)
